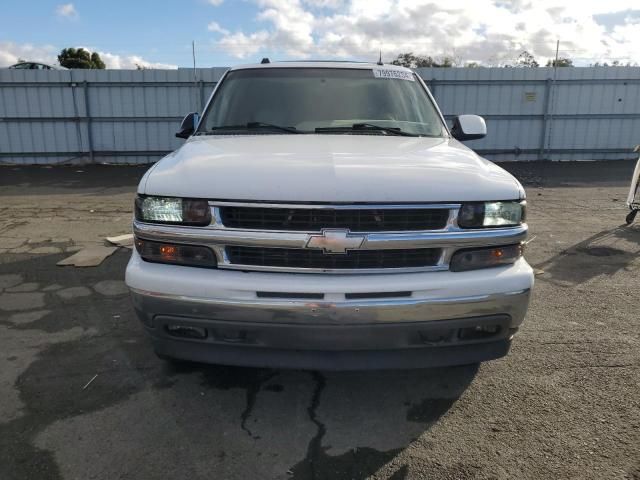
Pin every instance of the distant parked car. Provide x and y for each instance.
(35, 66)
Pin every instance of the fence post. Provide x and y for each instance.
(87, 118)
(77, 120)
(201, 83)
(545, 117)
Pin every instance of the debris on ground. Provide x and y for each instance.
(90, 382)
(121, 240)
(88, 257)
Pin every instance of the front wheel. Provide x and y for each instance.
(631, 217)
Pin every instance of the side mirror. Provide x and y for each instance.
(468, 127)
(188, 125)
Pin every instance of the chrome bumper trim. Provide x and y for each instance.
(513, 303)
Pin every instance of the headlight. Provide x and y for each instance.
(491, 214)
(168, 210)
(474, 259)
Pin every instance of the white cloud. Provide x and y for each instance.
(67, 10)
(215, 3)
(10, 53)
(215, 27)
(131, 62)
(241, 45)
(492, 32)
(324, 3)
(628, 36)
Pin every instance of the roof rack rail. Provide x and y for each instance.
(323, 61)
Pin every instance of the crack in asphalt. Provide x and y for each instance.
(225, 378)
(251, 395)
(314, 449)
(357, 463)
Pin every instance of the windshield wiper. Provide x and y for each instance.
(255, 126)
(366, 127)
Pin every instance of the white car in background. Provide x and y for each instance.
(35, 66)
(322, 215)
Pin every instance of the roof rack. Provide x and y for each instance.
(323, 61)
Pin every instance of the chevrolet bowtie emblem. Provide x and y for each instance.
(335, 241)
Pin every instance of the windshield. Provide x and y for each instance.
(329, 99)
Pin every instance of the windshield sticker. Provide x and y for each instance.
(393, 74)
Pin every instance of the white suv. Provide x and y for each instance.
(322, 215)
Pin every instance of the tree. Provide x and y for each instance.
(562, 62)
(445, 62)
(80, 58)
(525, 59)
(615, 63)
(410, 60)
(97, 61)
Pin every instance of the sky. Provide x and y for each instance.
(158, 34)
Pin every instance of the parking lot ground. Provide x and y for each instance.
(82, 395)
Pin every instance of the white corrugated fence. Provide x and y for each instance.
(124, 116)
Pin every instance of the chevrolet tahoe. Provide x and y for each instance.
(322, 215)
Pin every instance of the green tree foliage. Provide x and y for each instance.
(615, 63)
(525, 59)
(80, 58)
(562, 62)
(97, 61)
(410, 60)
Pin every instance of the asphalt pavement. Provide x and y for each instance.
(82, 396)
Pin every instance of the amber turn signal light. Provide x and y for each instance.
(176, 254)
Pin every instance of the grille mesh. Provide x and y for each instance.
(315, 219)
(356, 259)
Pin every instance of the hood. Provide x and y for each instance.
(329, 169)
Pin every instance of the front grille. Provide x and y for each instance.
(315, 219)
(355, 259)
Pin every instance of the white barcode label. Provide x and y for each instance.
(393, 74)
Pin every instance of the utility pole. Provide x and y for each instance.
(553, 95)
(193, 53)
(195, 75)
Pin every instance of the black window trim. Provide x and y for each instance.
(205, 111)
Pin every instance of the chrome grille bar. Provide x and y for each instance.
(218, 237)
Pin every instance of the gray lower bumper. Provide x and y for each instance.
(426, 357)
(399, 333)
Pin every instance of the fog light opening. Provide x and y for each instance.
(186, 331)
(479, 332)
(435, 337)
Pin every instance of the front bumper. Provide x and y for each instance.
(433, 327)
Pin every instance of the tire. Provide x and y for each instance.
(631, 217)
